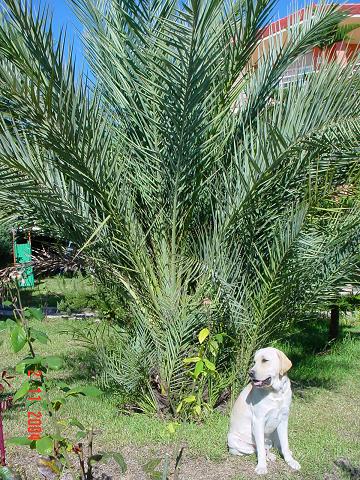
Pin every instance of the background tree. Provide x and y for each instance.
(5, 245)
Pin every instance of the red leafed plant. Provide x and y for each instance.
(4, 404)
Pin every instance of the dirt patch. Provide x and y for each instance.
(192, 467)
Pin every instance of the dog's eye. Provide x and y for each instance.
(264, 360)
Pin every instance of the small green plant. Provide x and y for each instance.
(151, 467)
(5, 403)
(7, 473)
(65, 437)
(202, 369)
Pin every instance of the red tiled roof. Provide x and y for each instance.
(282, 23)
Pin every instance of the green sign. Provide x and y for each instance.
(23, 255)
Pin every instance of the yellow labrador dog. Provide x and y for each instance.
(259, 419)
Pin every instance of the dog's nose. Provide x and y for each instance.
(251, 373)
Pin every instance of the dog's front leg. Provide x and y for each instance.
(259, 437)
(282, 431)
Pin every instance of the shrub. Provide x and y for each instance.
(5, 246)
(78, 293)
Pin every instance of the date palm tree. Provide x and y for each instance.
(186, 176)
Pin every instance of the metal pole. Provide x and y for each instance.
(13, 245)
(2, 440)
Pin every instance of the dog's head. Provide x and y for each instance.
(270, 364)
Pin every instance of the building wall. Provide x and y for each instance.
(276, 34)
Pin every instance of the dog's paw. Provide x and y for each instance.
(233, 451)
(261, 470)
(271, 457)
(293, 464)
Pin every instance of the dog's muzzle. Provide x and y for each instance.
(260, 383)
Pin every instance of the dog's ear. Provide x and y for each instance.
(285, 363)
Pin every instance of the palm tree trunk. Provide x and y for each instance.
(334, 326)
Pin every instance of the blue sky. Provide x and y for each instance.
(63, 16)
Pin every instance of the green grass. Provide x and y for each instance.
(66, 293)
(324, 423)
